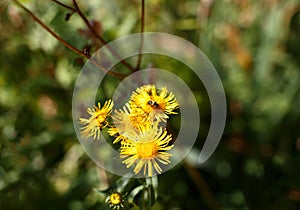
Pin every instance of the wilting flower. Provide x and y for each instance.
(153, 103)
(97, 121)
(115, 201)
(145, 149)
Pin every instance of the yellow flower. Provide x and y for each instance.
(122, 123)
(115, 201)
(97, 120)
(125, 123)
(146, 148)
(153, 104)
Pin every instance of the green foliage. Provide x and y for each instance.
(253, 44)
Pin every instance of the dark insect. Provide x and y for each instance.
(86, 51)
(153, 104)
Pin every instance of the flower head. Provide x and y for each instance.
(144, 149)
(153, 103)
(97, 121)
(115, 201)
(125, 123)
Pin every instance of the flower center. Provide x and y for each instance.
(115, 198)
(100, 119)
(146, 150)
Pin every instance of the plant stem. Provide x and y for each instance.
(91, 28)
(56, 36)
(142, 35)
(61, 40)
(64, 5)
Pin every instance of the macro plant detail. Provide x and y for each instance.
(137, 130)
(115, 201)
(143, 141)
(145, 149)
(97, 121)
(141, 147)
(153, 105)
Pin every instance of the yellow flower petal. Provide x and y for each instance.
(97, 121)
(152, 103)
(145, 149)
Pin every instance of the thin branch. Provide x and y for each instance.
(121, 76)
(56, 36)
(87, 22)
(61, 40)
(3, 6)
(64, 5)
(142, 35)
(91, 28)
(202, 186)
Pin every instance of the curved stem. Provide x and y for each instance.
(61, 40)
(91, 28)
(64, 5)
(56, 36)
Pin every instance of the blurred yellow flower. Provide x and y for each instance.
(125, 123)
(97, 120)
(146, 148)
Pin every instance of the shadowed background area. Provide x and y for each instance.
(255, 48)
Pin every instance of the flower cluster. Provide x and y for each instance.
(143, 142)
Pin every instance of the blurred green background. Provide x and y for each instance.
(255, 48)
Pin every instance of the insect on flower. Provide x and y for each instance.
(154, 104)
(137, 126)
(148, 101)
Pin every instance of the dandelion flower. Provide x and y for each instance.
(146, 149)
(115, 201)
(152, 103)
(97, 120)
